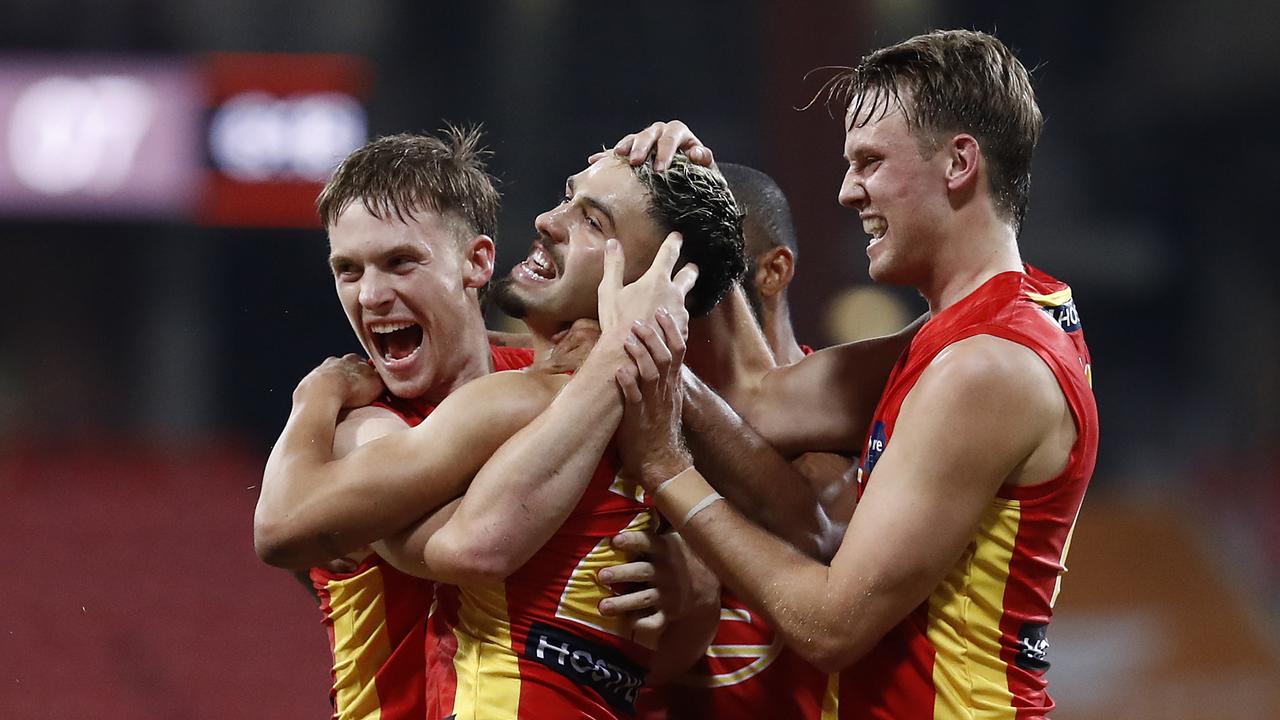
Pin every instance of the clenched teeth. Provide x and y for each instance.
(876, 227)
(539, 262)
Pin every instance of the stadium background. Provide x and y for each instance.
(151, 341)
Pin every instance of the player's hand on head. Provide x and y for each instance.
(620, 305)
(649, 437)
(350, 379)
(571, 347)
(662, 140)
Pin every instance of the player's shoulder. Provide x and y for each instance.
(508, 391)
(986, 368)
(364, 424)
(520, 381)
(371, 413)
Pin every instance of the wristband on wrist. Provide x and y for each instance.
(684, 495)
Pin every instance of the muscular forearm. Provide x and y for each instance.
(828, 625)
(524, 493)
(752, 475)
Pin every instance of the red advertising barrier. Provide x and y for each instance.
(135, 592)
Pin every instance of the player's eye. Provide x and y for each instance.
(399, 262)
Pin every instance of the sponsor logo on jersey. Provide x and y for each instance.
(1033, 648)
(609, 673)
(1065, 315)
(875, 447)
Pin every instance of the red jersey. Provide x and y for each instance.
(376, 616)
(535, 645)
(748, 672)
(976, 647)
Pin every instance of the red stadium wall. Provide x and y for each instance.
(136, 592)
(137, 595)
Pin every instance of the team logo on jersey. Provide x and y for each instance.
(1033, 648)
(875, 447)
(733, 658)
(608, 672)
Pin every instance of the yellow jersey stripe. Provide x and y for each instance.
(360, 643)
(734, 615)
(964, 623)
(580, 601)
(1055, 299)
(831, 698)
(486, 664)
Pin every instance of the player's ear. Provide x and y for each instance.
(477, 261)
(774, 269)
(964, 159)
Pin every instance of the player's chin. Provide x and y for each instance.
(406, 386)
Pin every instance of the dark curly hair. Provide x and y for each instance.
(695, 201)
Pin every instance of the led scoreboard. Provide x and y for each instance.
(224, 139)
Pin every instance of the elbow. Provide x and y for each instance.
(267, 544)
(828, 660)
(461, 562)
(277, 544)
(829, 652)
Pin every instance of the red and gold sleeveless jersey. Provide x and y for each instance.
(747, 672)
(977, 647)
(376, 616)
(536, 646)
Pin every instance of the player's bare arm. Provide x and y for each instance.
(913, 523)
(315, 507)
(825, 401)
(753, 475)
(527, 489)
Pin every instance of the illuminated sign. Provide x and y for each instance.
(236, 139)
(278, 126)
(98, 137)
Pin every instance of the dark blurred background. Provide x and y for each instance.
(170, 293)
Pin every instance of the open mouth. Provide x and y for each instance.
(539, 265)
(876, 227)
(396, 341)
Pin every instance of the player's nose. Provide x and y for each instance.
(548, 224)
(375, 290)
(852, 193)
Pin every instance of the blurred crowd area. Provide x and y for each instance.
(149, 361)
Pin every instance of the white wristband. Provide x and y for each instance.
(703, 504)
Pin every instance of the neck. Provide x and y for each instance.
(726, 348)
(775, 318)
(969, 259)
(544, 336)
(472, 358)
